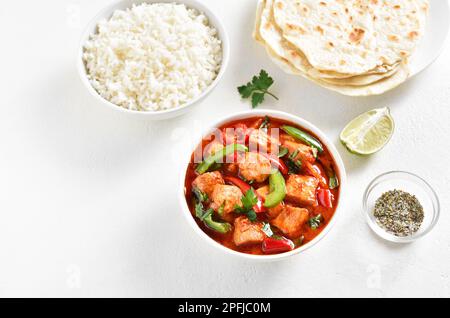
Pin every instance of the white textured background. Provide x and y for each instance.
(88, 197)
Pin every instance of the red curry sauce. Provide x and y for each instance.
(323, 165)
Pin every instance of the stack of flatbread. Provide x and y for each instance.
(354, 47)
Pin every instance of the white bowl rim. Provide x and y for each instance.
(439, 52)
(109, 9)
(297, 121)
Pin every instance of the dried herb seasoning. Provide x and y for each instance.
(399, 213)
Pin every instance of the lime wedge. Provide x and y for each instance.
(369, 132)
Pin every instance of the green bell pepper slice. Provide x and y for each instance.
(206, 218)
(277, 190)
(218, 156)
(303, 136)
(220, 227)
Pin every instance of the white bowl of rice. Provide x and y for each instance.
(155, 59)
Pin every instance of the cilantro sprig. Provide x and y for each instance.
(294, 165)
(249, 199)
(201, 213)
(206, 215)
(257, 88)
(315, 221)
(199, 195)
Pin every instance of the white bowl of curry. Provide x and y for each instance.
(263, 185)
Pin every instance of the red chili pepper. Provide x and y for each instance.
(272, 245)
(244, 186)
(259, 206)
(325, 198)
(278, 163)
(238, 183)
(316, 171)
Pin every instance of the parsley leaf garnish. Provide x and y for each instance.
(201, 213)
(200, 196)
(315, 221)
(199, 210)
(334, 182)
(252, 215)
(257, 88)
(294, 167)
(249, 199)
(294, 164)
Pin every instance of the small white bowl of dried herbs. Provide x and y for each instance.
(401, 207)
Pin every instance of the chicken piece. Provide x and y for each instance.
(212, 148)
(286, 137)
(231, 168)
(247, 232)
(255, 167)
(271, 212)
(207, 181)
(304, 152)
(227, 196)
(302, 189)
(235, 135)
(260, 141)
(291, 220)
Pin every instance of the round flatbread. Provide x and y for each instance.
(273, 38)
(330, 74)
(377, 88)
(360, 80)
(259, 10)
(352, 36)
(271, 35)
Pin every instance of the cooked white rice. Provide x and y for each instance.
(153, 56)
